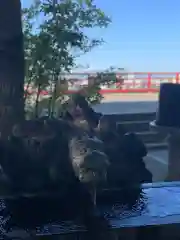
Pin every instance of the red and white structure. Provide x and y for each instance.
(137, 82)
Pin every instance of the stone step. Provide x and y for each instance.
(132, 117)
(150, 137)
(158, 169)
(156, 146)
(134, 126)
(139, 123)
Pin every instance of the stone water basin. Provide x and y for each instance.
(159, 204)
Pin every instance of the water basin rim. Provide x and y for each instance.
(48, 194)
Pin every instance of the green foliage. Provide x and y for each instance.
(107, 77)
(53, 45)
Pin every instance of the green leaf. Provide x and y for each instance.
(53, 44)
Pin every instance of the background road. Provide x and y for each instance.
(127, 103)
(126, 107)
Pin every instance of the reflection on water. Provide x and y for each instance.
(153, 207)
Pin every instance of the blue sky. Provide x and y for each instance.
(143, 36)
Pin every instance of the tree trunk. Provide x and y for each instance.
(11, 66)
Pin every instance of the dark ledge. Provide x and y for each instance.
(159, 205)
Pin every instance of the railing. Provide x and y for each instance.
(133, 82)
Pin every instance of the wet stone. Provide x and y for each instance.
(158, 205)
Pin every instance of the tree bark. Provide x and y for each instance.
(11, 66)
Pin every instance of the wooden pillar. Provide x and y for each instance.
(11, 65)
